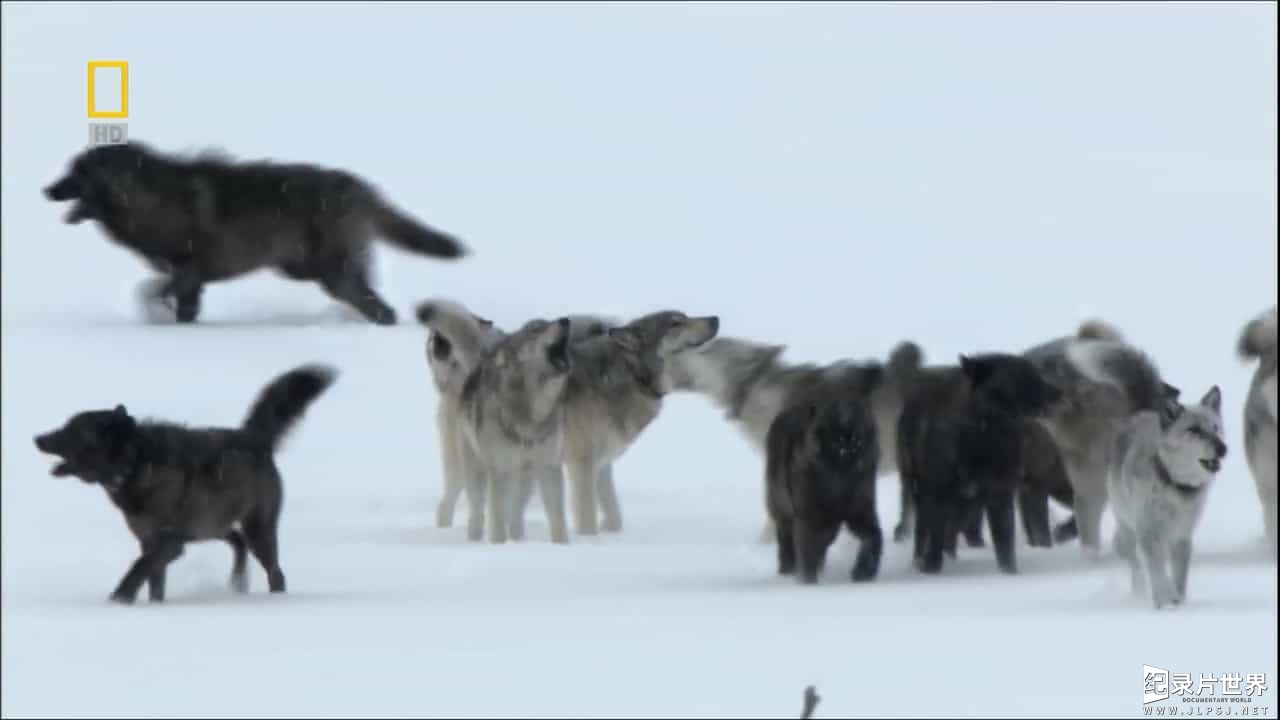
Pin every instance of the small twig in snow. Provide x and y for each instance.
(811, 699)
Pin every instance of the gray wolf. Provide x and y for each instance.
(1103, 380)
(960, 451)
(1258, 342)
(1158, 477)
(209, 219)
(820, 473)
(507, 416)
(176, 484)
(751, 384)
(456, 340)
(614, 391)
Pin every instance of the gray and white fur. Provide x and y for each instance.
(512, 412)
(1158, 476)
(1104, 381)
(752, 385)
(1258, 342)
(453, 351)
(614, 391)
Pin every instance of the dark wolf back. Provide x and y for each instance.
(321, 193)
(282, 403)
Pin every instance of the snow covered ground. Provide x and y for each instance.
(836, 178)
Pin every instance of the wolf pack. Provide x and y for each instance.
(1085, 421)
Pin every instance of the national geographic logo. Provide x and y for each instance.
(108, 99)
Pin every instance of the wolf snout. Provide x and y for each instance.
(64, 189)
(713, 322)
(1219, 448)
(43, 443)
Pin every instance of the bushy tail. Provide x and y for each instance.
(281, 404)
(409, 234)
(905, 359)
(1258, 338)
(1098, 330)
(1123, 367)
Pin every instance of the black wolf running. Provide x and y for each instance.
(177, 485)
(821, 456)
(209, 219)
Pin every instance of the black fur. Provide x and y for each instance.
(821, 455)
(176, 484)
(210, 219)
(961, 440)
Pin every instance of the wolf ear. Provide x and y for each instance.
(976, 370)
(626, 337)
(558, 348)
(122, 425)
(873, 376)
(1213, 399)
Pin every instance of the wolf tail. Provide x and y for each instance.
(1096, 329)
(281, 404)
(905, 359)
(407, 233)
(1258, 337)
(1123, 367)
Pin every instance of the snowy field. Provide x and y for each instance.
(835, 178)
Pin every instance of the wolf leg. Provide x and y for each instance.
(931, 531)
(582, 482)
(865, 526)
(188, 301)
(1156, 560)
(973, 527)
(475, 479)
(184, 286)
(1088, 517)
(551, 486)
(1137, 573)
(811, 542)
(350, 285)
(157, 555)
(1004, 533)
(239, 563)
(260, 535)
(1181, 561)
(785, 530)
(453, 480)
(501, 488)
(1269, 519)
(520, 497)
(1124, 541)
(906, 512)
(1033, 506)
(608, 494)
(155, 586)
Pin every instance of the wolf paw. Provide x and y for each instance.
(121, 598)
(1165, 599)
(240, 583)
(900, 532)
(863, 572)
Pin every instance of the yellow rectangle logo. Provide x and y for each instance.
(123, 67)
